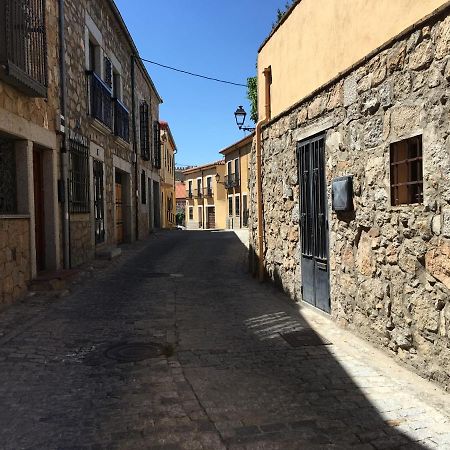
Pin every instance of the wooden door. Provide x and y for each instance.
(39, 212)
(211, 217)
(119, 208)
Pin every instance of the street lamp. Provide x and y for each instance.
(240, 116)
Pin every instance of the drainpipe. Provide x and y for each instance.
(64, 141)
(258, 131)
(133, 125)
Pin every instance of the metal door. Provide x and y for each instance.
(314, 223)
(99, 207)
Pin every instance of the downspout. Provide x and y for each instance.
(64, 141)
(258, 131)
(133, 125)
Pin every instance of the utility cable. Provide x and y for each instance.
(193, 74)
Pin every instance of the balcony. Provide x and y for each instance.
(100, 101)
(230, 181)
(198, 193)
(208, 192)
(121, 120)
(23, 51)
(189, 194)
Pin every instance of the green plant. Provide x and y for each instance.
(252, 95)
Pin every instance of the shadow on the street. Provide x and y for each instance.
(231, 370)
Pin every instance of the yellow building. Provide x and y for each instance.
(312, 45)
(237, 159)
(167, 174)
(206, 196)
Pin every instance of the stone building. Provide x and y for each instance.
(350, 172)
(167, 174)
(29, 145)
(237, 182)
(80, 142)
(114, 139)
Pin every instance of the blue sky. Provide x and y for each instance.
(214, 38)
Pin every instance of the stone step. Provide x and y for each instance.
(53, 281)
(108, 253)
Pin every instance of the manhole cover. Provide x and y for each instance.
(304, 338)
(134, 351)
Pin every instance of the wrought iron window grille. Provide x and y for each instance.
(406, 171)
(156, 145)
(78, 173)
(23, 46)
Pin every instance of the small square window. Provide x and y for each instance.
(406, 172)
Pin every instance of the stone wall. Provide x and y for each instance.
(115, 44)
(40, 111)
(390, 266)
(81, 245)
(15, 269)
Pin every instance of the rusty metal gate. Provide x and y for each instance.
(314, 223)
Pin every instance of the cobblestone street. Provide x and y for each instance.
(225, 377)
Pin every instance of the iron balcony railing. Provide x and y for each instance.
(23, 46)
(208, 192)
(231, 180)
(189, 194)
(121, 120)
(198, 193)
(100, 100)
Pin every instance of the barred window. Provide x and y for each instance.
(406, 171)
(78, 174)
(23, 49)
(8, 191)
(191, 213)
(144, 131)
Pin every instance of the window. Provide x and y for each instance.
(190, 188)
(199, 187)
(143, 188)
(236, 168)
(200, 216)
(230, 206)
(191, 213)
(156, 145)
(144, 130)
(406, 172)
(237, 209)
(23, 49)
(78, 174)
(8, 193)
(209, 186)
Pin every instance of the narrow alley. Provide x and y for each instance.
(175, 346)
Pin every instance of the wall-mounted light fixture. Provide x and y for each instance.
(240, 116)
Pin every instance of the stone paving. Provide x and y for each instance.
(227, 379)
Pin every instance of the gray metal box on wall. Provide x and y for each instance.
(342, 194)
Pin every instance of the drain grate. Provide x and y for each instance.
(134, 351)
(304, 338)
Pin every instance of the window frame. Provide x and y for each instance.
(406, 171)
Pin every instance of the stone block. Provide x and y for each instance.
(437, 262)
(443, 39)
(445, 230)
(350, 91)
(422, 56)
(396, 58)
(404, 119)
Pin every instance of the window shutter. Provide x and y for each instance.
(156, 145)
(108, 71)
(144, 131)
